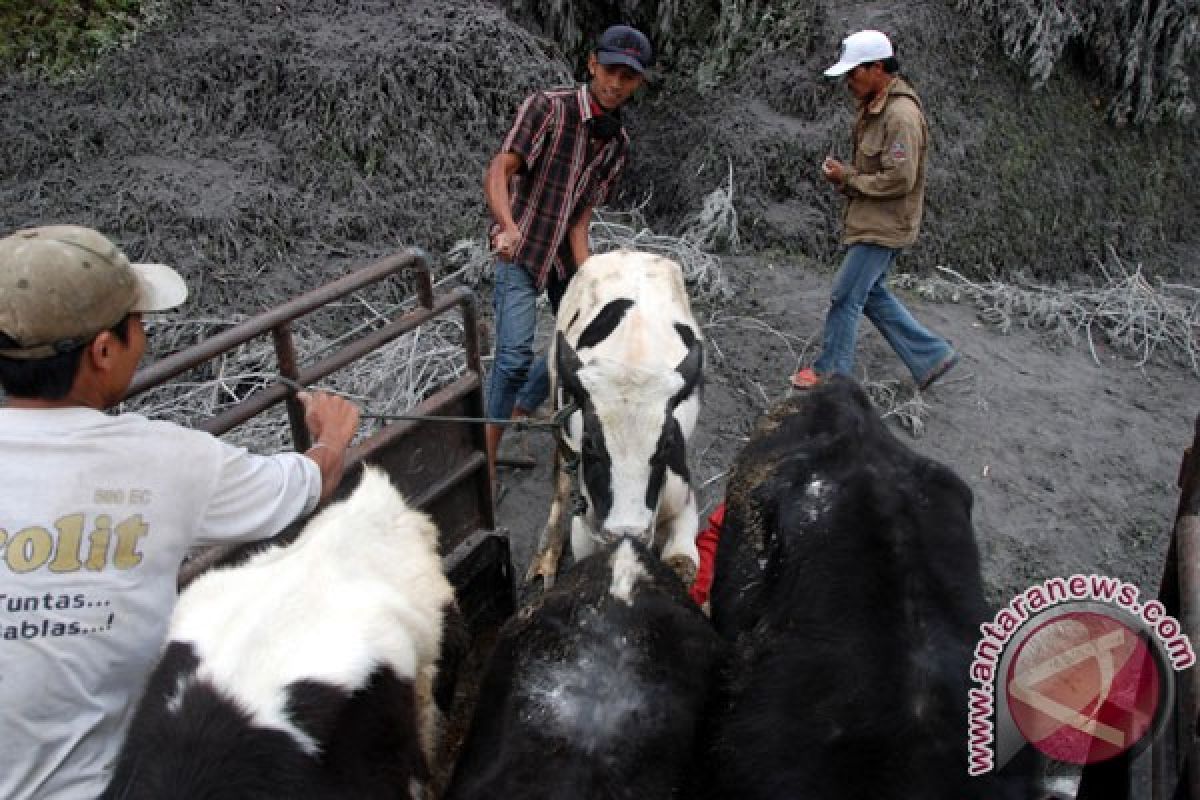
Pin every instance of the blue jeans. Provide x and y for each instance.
(860, 288)
(512, 380)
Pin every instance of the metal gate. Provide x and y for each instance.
(1169, 769)
(439, 467)
(1175, 764)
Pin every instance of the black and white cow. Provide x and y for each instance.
(848, 578)
(628, 352)
(306, 672)
(595, 691)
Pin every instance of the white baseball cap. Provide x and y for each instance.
(861, 48)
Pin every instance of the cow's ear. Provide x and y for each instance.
(692, 369)
(568, 364)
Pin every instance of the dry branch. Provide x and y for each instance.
(1127, 313)
(617, 230)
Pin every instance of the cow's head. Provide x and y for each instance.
(631, 428)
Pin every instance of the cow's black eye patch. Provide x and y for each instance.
(597, 465)
(686, 334)
(604, 323)
(670, 453)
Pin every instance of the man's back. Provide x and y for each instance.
(96, 515)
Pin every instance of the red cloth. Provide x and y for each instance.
(706, 543)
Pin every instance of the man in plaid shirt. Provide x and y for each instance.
(560, 160)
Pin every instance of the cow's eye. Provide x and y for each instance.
(665, 442)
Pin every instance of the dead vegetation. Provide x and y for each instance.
(1125, 312)
(386, 382)
(1140, 48)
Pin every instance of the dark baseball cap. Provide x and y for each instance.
(622, 44)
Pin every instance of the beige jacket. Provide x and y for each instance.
(886, 183)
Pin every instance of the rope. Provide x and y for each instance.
(554, 424)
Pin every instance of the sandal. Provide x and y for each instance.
(806, 378)
(941, 369)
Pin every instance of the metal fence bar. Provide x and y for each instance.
(465, 392)
(161, 371)
(285, 356)
(475, 401)
(1176, 755)
(271, 395)
(1187, 540)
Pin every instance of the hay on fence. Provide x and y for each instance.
(390, 380)
(1127, 313)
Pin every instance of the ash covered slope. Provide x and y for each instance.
(1022, 177)
(254, 141)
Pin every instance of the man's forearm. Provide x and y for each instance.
(331, 461)
(577, 237)
(495, 192)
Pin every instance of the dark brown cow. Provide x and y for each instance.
(848, 578)
(595, 692)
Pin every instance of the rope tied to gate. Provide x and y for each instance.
(555, 424)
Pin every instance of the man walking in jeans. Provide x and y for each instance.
(561, 159)
(885, 186)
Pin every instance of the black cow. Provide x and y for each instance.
(848, 577)
(594, 691)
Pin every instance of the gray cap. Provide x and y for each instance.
(60, 285)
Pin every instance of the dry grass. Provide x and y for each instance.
(615, 230)
(390, 380)
(894, 401)
(1127, 313)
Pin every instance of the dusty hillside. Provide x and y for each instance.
(283, 140)
(253, 137)
(1007, 157)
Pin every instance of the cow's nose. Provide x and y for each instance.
(617, 532)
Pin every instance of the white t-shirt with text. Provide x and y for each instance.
(96, 514)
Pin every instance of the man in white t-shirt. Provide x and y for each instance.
(97, 511)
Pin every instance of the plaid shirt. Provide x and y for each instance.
(560, 178)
